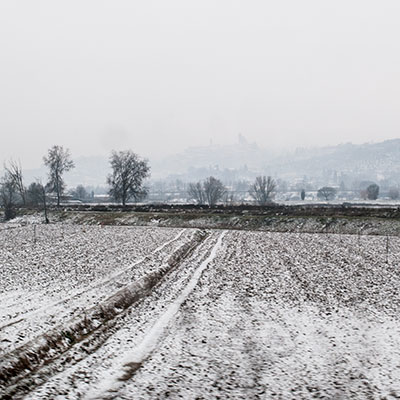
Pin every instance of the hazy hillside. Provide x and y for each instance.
(371, 160)
(375, 161)
(213, 157)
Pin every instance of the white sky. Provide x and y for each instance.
(158, 76)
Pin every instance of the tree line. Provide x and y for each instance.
(328, 193)
(126, 180)
(212, 190)
(126, 183)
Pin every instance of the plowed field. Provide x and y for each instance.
(228, 314)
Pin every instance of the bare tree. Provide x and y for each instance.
(80, 192)
(128, 173)
(263, 190)
(58, 160)
(210, 191)
(14, 172)
(326, 193)
(8, 196)
(196, 192)
(230, 198)
(214, 190)
(372, 191)
(36, 194)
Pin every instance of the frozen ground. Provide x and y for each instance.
(51, 273)
(249, 315)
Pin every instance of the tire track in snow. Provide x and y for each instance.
(135, 358)
(107, 279)
(87, 333)
(79, 371)
(48, 309)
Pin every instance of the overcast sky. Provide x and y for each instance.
(158, 76)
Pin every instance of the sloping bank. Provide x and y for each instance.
(366, 225)
(20, 362)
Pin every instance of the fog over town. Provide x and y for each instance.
(159, 77)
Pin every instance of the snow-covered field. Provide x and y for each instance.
(50, 273)
(245, 315)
